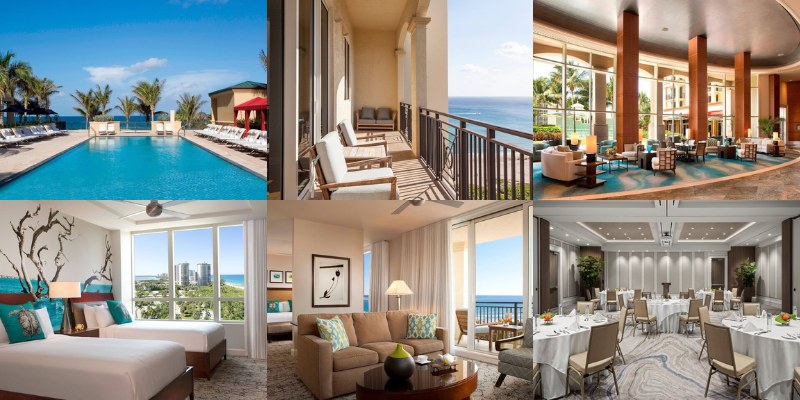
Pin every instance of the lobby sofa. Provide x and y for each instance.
(561, 164)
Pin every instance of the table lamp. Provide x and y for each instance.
(749, 132)
(688, 133)
(591, 149)
(398, 288)
(776, 136)
(65, 291)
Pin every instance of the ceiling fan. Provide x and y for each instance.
(155, 209)
(420, 202)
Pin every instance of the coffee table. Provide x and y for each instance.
(423, 385)
(614, 157)
(502, 328)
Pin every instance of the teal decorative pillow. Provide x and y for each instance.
(421, 326)
(290, 305)
(21, 322)
(273, 306)
(119, 312)
(333, 331)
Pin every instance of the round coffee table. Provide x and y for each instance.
(423, 385)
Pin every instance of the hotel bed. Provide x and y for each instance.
(204, 342)
(65, 367)
(279, 324)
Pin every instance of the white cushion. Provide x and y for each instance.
(482, 329)
(44, 322)
(348, 132)
(284, 306)
(366, 192)
(104, 317)
(3, 334)
(90, 314)
(331, 158)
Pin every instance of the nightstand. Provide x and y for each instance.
(85, 333)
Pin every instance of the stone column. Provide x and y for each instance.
(600, 127)
(657, 108)
(774, 92)
(698, 88)
(419, 74)
(741, 93)
(627, 81)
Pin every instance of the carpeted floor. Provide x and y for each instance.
(662, 367)
(237, 378)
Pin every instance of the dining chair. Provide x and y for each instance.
(621, 323)
(642, 317)
(594, 301)
(735, 300)
(611, 299)
(691, 293)
(749, 308)
(724, 360)
(628, 312)
(585, 307)
(704, 319)
(597, 293)
(796, 382)
(693, 317)
(706, 300)
(598, 358)
(684, 295)
(719, 299)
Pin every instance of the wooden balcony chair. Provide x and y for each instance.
(481, 330)
(338, 182)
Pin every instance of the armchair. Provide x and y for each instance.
(561, 165)
(748, 151)
(664, 161)
(518, 362)
(337, 182)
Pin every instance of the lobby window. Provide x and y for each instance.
(367, 277)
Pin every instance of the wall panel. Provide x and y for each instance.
(700, 271)
(636, 270)
(649, 272)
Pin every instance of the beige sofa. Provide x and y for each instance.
(373, 336)
(764, 145)
(561, 165)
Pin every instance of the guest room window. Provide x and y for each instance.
(190, 274)
(367, 269)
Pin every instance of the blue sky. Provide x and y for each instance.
(192, 246)
(490, 50)
(196, 45)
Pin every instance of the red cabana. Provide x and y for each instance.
(256, 104)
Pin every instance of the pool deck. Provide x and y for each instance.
(20, 159)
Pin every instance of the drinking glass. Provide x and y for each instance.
(758, 310)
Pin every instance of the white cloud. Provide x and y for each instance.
(515, 51)
(475, 80)
(117, 75)
(189, 3)
(199, 82)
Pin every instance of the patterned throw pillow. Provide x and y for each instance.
(273, 306)
(119, 312)
(421, 326)
(21, 322)
(333, 331)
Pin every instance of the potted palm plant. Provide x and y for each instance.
(746, 277)
(590, 268)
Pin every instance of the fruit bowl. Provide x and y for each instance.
(784, 318)
(547, 318)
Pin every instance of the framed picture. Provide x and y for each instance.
(330, 281)
(287, 276)
(275, 276)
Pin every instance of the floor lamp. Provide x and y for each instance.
(398, 288)
(65, 291)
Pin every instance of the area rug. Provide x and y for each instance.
(237, 378)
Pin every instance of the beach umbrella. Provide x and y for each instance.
(38, 111)
(15, 108)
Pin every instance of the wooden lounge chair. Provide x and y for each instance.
(481, 330)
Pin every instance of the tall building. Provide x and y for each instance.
(182, 274)
(203, 274)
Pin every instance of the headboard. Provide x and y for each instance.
(87, 297)
(280, 294)
(15, 298)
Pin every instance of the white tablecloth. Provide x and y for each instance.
(667, 313)
(775, 356)
(701, 294)
(552, 352)
(627, 295)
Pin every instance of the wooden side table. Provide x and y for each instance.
(95, 333)
(590, 176)
(502, 328)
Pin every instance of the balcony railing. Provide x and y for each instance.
(487, 312)
(405, 121)
(473, 160)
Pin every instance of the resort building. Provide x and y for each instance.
(224, 100)
(468, 262)
(633, 76)
(359, 66)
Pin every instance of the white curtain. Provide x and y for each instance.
(255, 280)
(379, 276)
(425, 260)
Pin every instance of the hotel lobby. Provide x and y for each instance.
(646, 100)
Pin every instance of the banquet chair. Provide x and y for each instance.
(796, 381)
(597, 293)
(704, 319)
(585, 307)
(621, 323)
(724, 360)
(624, 312)
(637, 295)
(707, 301)
(735, 300)
(611, 299)
(719, 299)
(691, 293)
(646, 295)
(684, 295)
(749, 308)
(595, 301)
(693, 317)
(642, 317)
(598, 358)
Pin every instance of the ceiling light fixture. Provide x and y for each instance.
(664, 29)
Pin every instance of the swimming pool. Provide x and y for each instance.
(147, 168)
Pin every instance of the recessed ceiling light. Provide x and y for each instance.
(769, 234)
(692, 228)
(664, 29)
(724, 233)
(731, 228)
(551, 228)
(640, 228)
(619, 228)
(600, 227)
(567, 235)
(712, 228)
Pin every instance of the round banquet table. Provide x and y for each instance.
(776, 357)
(701, 294)
(552, 351)
(667, 313)
(627, 295)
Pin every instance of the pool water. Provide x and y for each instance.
(146, 168)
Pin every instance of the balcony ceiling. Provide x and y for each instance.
(371, 15)
(763, 27)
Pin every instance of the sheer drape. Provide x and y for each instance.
(379, 276)
(255, 280)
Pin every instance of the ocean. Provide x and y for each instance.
(509, 112)
(11, 285)
(237, 280)
(76, 122)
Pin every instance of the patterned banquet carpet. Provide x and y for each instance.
(662, 367)
(639, 179)
(237, 378)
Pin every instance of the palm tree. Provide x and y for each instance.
(127, 106)
(189, 107)
(10, 73)
(264, 59)
(87, 104)
(103, 97)
(28, 87)
(149, 94)
(46, 89)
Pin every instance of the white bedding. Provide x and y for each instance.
(69, 368)
(196, 336)
(279, 317)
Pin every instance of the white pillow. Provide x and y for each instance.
(284, 306)
(3, 334)
(90, 314)
(44, 322)
(104, 317)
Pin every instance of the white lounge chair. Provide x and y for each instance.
(168, 129)
(102, 129)
(160, 128)
(351, 139)
(337, 182)
(112, 129)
